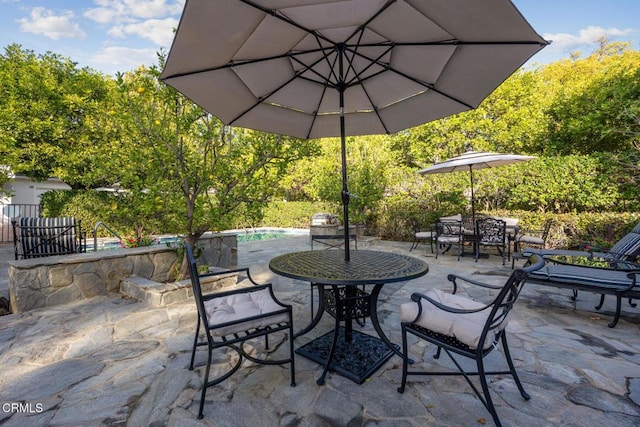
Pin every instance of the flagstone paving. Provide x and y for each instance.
(116, 361)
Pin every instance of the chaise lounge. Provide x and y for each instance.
(614, 272)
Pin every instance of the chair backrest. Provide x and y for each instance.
(546, 229)
(627, 248)
(448, 229)
(506, 299)
(452, 218)
(42, 237)
(195, 283)
(491, 230)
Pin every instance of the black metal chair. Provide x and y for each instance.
(466, 328)
(230, 318)
(449, 233)
(492, 232)
(420, 235)
(532, 238)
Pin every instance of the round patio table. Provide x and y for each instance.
(356, 355)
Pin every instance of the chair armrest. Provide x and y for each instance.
(453, 278)
(231, 271)
(244, 289)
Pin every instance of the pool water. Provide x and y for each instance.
(243, 236)
(267, 234)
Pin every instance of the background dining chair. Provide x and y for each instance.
(449, 233)
(492, 232)
(421, 235)
(230, 318)
(464, 327)
(533, 238)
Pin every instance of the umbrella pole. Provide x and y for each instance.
(345, 189)
(343, 149)
(473, 199)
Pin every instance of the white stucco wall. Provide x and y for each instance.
(23, 190)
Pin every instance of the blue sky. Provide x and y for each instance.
(119, 35)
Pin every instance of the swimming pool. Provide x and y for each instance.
(247, 235)
(268, 233)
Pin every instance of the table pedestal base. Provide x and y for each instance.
(356, 360)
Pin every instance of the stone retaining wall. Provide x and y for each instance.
(50, 281)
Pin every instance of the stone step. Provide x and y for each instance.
(159, 294)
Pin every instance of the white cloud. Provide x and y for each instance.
(119, 11)
(591, 34)
(148, 9)
(55, 27)
(104, 15)
(123, 58)
(159, 31)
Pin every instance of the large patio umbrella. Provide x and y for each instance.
(328, 68)
(474, 160)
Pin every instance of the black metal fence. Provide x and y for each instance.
(13, 211)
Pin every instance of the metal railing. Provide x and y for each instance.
(95, 233)
(11, 212)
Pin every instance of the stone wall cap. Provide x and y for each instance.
(88, 256)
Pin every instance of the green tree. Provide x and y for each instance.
(588, 98)
(52, 117)
(197, 172)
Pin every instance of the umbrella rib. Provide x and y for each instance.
(375, 110)
(261, 99)
(315, 113)
(233, 64)
(312, 70)
(429, 86)
(275, 13)
(374, 16)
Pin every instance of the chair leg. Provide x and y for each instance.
(616, 317)
(414, 244)
(291, 355)
(195, 344)
(203, 395)
(488, 402)
(512, 369)
(405, 360)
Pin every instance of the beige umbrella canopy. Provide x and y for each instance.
(326, 68)
(474, 160)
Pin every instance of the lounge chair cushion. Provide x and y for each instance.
(568, 274)
(466, 328)
(636, 229)
(628, 246)
(239, 306)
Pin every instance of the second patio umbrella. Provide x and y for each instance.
(474, 160)
(322, 68)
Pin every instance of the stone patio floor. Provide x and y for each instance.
(116, 361)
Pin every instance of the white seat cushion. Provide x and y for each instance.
(452, 218)
(523, 238)
(510, 222)
(466, 328)
(239, 306)
(448, 239)
(424, 235)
